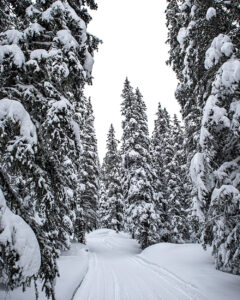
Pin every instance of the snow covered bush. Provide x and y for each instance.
(20, 257)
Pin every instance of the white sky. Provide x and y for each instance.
(134, 35)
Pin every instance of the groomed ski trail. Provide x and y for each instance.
(117, 272)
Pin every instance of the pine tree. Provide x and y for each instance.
(161, 156)
(111, 209)
(89, 174)
(46, 58)
(179, 188)
(219, 140)
(140, 209)
(208, 91)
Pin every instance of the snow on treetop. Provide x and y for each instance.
(15, 51)
(220, 45)
(66, 39)
(211, 13)
(14, 110)
(11, 36)
(19, 236)
(31, 11)
(54, 9)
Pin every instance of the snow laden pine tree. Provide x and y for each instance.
(89, 173)
(140, 209)
(161, 152)
(111, 208)
(218, 160)
(209, 94)
(179, 188)
(45, 58)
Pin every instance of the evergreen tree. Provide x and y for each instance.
(140, 208)
(46, 58)
(219, 140)
(161, 150)
(89, 174)
(179, 187)
(111, 209)
(208, 95)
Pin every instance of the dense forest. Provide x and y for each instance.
(179, 184)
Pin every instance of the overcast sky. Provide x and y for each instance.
(134, 35)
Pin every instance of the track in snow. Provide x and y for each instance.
(117, 272)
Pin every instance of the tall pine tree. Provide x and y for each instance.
(140, 208)
(111, 208)
(46, 58)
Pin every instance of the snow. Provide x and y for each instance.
(15, 51)
(185, 5)
(228, 74)
(14, 110)
(114, 268)
(54, 9)
(182, 35)
(217, 114)
(88, 64)
(34, 29)
(19, 235)
(39, 54)
(72, 264)
(31, 11)
(12, 36)
(76, 130)
(197, 170)
(219, 46)
(66, 39)
(211, 13)
(193, 265)
(59, 6)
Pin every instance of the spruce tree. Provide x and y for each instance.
(89, 173)
(161, 150)
(140, 209)
(46, 58)
(111, 209)
(208, 95)
(179, 188)
(219, 140)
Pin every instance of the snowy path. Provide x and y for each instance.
(117, 272)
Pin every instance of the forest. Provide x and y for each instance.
(179, 184)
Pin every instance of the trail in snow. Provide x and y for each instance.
(117, 272)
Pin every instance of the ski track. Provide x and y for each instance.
(117, 272)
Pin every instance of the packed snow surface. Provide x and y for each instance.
(117, 270)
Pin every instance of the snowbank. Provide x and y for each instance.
(16, 234)
(73, 265)
(195, 266)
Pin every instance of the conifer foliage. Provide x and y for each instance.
(45, 60)
(205, 56)
(140, 208)
(111, 206)
(171, 185)
(89, 172)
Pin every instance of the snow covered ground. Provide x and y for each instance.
(114, 269)
(73, 265)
